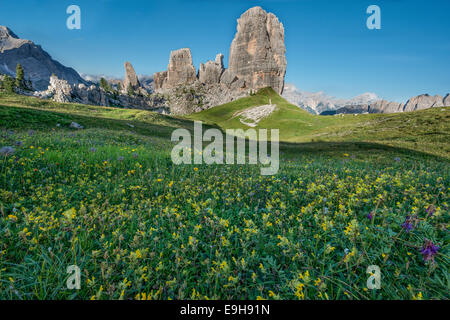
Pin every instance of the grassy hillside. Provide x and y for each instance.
(108, 199)
(28, 112)
(425, 131)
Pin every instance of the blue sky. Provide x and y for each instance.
(329, 47)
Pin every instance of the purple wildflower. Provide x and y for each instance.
(430, 210)
(429, 250)
(407, 225)
(370, 216)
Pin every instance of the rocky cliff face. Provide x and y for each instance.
(211, 71)
(180, 69)
(159, 80)
(423, 101)
(38, 65)
(383, 106)
(257, 53)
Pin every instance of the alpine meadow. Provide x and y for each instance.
(125, 183)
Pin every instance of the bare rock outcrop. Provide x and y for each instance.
(180, 70)
(257, 53)
(199, 96)
(159, 80)
(383, 106)
(211, 71)
(423, 101)
(131, 78)
(61, 91)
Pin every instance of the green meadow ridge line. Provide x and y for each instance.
(426, 131)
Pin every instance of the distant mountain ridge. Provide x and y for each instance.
(37, 63)
(320, 103)
(420, 102)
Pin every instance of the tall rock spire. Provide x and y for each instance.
(131, 78)
(257, 53)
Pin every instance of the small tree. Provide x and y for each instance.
(104, 84)
(119, 87)
(8, 84)
(130, 90)
(19, 76)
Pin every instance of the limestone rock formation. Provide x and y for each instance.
(199, 96)
(423, 101)
(383, 106)
(131, 78)
(159, 80)
(257, 60)
(180, 70)
(257, 53)
(61, 91)
(38, 65)
(211, 71)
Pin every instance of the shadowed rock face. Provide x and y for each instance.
(159, 80)
(38, 65)
(131, 78)
(257, 53)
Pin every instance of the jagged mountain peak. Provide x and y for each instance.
(38, 65)
(6, 32)
(9, 40)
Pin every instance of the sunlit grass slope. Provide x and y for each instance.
(425, 130)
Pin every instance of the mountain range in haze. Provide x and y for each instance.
(323, 104)
(318, 102)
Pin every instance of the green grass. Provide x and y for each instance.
(109, 199)
(426, 130)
